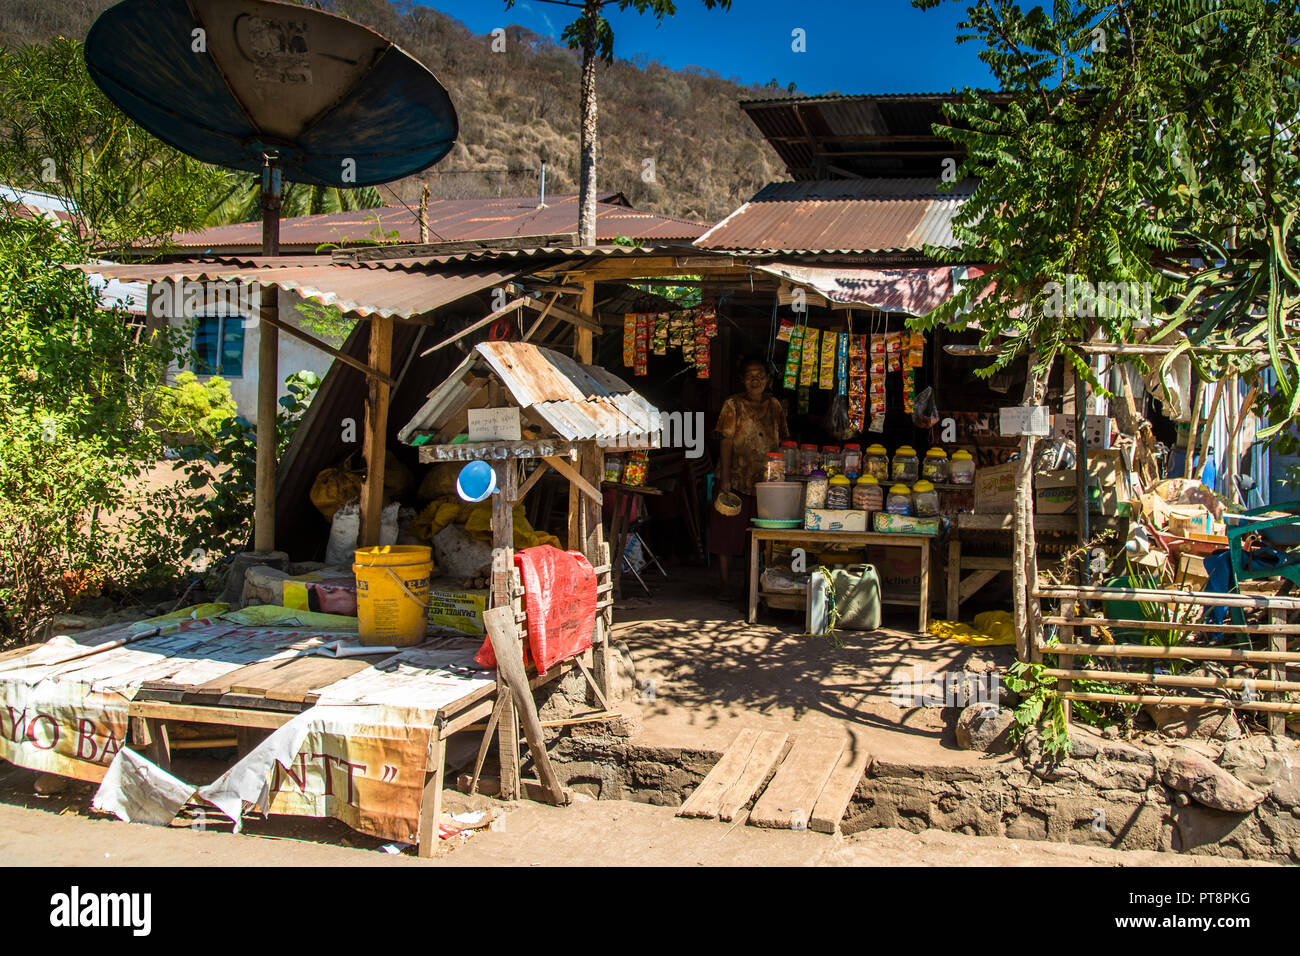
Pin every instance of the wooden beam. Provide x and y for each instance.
(541, 318)
(375, 439)
(532, 479)
(584, 321)
(268, 390)
(497, 450)
(195, 714)
(586, 306)
(487, 319)
(574, 476)
(342, 356)
(500, 625)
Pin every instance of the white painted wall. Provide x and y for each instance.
(295, 355)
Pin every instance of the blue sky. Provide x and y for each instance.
(868, 46)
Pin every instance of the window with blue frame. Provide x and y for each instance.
(219, 345)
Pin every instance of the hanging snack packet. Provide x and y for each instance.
(629, 339)
(784, 330)
(909, 388)
(659, 339)
(642, 344)
(826, 380)
(808, 364)
(858, 381)
(842, 364)
(803, 399)
(791, 377)
(916, 350)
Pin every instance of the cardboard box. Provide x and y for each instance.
(1098, 428)
(995, 488)
(899, 569)
(887, 523)
(1109, 486)
(819, 519)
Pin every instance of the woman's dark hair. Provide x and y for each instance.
(755, 360)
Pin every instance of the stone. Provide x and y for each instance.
(235, 592)
(1180, 721)
(1266, 763)
(1209, 784)
(985, 728)
(1086, 743)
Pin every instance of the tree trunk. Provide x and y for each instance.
(1024, 568)
(587, 149)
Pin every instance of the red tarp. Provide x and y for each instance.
(560, 602)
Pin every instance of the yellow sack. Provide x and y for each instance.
(440, 482)
(334, 487)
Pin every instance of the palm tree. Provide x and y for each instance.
(592, 34)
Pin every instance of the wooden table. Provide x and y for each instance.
(982, 570)
(853, 539)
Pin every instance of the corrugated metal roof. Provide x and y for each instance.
(579, 402)
(911, 291)
(841, 216)
(364, 292)
(451, 220)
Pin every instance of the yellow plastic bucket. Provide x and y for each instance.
(393, 593)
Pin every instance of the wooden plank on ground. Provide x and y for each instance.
(299, 677)
(799, 781)
(771, 745)
(837, 793)
(707, 798)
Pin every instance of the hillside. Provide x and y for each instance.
(520, 107)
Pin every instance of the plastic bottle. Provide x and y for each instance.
(839, 495)
(867, 494)
(876, 462)
(808, 459)
(935, 466)
(774, 467)
(925, 500)
(906, 466)
(832, 460)
(790, 453)
(815, 496)
(962, 469)
(853, 460)
(899, 501)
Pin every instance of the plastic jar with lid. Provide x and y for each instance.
(808, 459)
(906, 466)
(899, 501)
(790, 456)
(962, 469)
(832, 459)
(925, 500)
(853, 460)
(867, 494)
(935, 466)
(839, 493)
(876, 462)
(774, 467)
(815, 496)
(613, 468)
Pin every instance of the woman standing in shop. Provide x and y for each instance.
(752, 423)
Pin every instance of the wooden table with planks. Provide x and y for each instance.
(799, 536)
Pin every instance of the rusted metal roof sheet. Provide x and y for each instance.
(841, 216)
(357, 291)
(910, 291)
(451, 220)
(579, 402)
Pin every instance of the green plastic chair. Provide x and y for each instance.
(1279, 534)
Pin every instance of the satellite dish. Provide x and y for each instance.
(239, 82)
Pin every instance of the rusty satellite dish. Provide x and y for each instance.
(238, 82)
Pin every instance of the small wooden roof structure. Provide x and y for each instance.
(566, 400)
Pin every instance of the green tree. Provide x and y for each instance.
(59, 134)
(592, 34)
(1113, 153)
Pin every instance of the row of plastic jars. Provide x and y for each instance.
(921, 500)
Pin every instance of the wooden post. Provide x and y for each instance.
(431, 798)
(1277, 672)
(375, 441)
(268, 372)
(503, 580)
(1024, 546)
(954, 575)
(584, 340)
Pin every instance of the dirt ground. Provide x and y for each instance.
(59, 830)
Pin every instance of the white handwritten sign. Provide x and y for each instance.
(1025, 420)
(494, 424)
